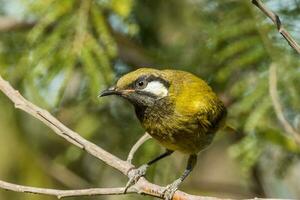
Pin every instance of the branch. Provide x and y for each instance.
(277, 106)
(276, 20)
(141, 187)
(63, 193)
(137, 145)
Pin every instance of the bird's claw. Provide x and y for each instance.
(134, 175)
(171, 189)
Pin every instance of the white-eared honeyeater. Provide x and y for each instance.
(179, 110)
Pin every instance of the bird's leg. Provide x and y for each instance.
(171, 189)
(135, 174)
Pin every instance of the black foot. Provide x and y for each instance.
(171, 189)
(135, 175)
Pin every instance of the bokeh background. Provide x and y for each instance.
(60, 53)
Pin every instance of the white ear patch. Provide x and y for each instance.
(156, 88)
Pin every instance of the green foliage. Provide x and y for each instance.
(232, 47)
(72, 49)
(248, 151)
(68, 35)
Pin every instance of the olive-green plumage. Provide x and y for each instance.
(187, 118)
(177, 109)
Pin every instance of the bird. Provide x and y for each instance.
(176, 108)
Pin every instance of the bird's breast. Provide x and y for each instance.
(173, 130)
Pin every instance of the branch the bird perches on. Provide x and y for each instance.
(141, 187)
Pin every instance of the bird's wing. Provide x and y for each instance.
(212, 118)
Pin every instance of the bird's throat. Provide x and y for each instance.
(156, 113)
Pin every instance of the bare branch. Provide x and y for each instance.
(137, 145)
(277, 106)
(62, 193)
(141, 187)
(276, 20)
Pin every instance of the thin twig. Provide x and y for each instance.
(277, 106)
(276, 20)
(137, 145)
(63, 193)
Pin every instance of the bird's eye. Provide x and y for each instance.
(141, 84)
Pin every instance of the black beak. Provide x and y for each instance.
(110, 91)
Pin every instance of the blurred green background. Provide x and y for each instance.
(61, 53)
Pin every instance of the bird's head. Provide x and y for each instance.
(142, 87)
